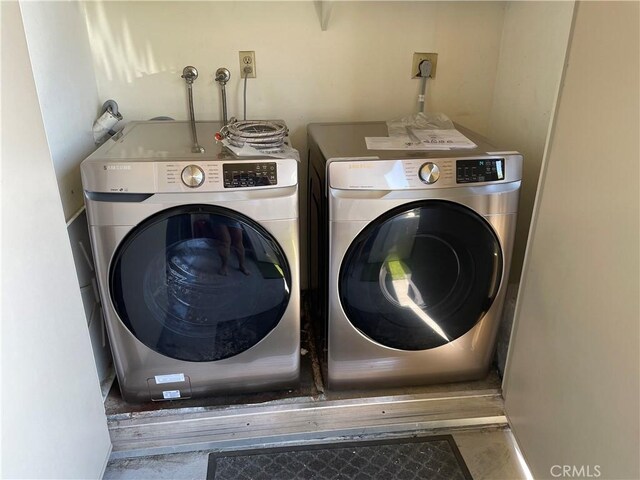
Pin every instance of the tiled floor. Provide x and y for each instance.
(488, 454)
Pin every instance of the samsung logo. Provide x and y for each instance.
(117, 167)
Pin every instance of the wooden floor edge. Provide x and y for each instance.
(418, 430)
(270, 426)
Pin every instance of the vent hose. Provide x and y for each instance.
(103, 126)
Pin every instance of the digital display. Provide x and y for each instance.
(240, 175)
(476, 171)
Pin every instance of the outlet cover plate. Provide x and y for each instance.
(247, 59)
(419, 57)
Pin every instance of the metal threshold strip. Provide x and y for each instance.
(302, 421)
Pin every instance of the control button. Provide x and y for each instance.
(429, 173)
(192, 176)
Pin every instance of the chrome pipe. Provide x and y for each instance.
(190, 74)
(222, 77)
(225, 119)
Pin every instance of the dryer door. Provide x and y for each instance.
(199, 283)
(421, 275)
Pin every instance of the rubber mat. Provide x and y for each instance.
(427, 458)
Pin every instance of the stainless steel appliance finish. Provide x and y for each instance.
(197, 263)
(417, 247)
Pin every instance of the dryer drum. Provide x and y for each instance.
(199, 283)
(421, 276)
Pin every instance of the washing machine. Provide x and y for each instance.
(410, 254)
(197, 263)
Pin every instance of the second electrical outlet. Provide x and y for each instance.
(248, 64)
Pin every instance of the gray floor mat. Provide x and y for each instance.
(427, 458)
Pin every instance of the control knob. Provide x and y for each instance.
(429, 173)
(192, 176)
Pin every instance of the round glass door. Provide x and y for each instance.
(421, 275)
(199, 283)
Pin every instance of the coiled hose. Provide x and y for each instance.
(266, 136)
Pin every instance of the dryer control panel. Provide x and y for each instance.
(373, 174)
(480, 170)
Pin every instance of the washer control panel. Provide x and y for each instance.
(187, 176)
(480, 170)
(242, 175)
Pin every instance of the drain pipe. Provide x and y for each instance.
(190, 74)
(222, 77)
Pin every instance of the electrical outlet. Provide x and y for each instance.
(419, 57)
(248, 64)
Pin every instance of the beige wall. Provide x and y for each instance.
(532, 52)
(53, 422)
(62, 65)
(573, 375)
(68, 98)
(359, 68)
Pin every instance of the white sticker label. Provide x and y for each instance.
(167, 394)
(176, 377)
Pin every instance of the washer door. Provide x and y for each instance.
(199, 283)
(421, 275)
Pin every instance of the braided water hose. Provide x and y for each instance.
(262, 135)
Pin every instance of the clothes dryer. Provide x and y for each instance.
(197, 263)
(417, 247)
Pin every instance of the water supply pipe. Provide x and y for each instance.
(222, 77)
(189, 74)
